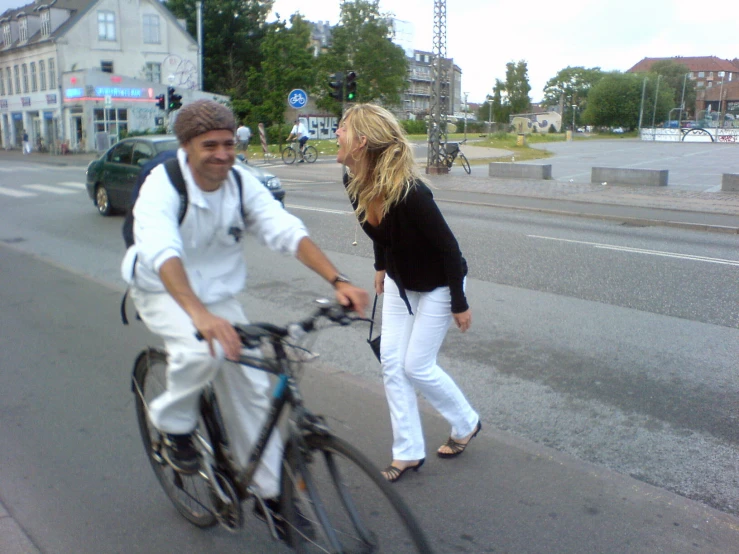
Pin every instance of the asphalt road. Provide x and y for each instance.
(616, 345)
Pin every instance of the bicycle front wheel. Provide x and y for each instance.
(288, 155)
(310, 154)
(465, 163)
(190, 494)
(335, 500)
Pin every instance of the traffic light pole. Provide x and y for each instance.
(166, 111)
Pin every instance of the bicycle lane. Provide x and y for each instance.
(73, 474)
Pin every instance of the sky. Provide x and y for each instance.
(483, 35)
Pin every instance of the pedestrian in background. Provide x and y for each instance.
(421, 271)
(26, 143)
(243, 135)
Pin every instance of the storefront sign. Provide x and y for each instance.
(73, 92)
(25, 100)
(3, 105)
(119, 92)
(51, 99)
(17, 116)
(48, 115)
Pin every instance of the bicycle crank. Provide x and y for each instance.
(230, 514)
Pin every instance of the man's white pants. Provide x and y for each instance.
(409, 347)
(241, 391)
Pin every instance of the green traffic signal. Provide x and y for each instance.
(351, 86)
(175, 100)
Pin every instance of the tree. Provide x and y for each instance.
(570, 87)
(517, 86)
(286, 63)
(674, 75)
(616, 98)
(232, 32)
(501, 108)
(362, 42)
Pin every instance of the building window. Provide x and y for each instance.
(46, 23)
(106, 67)
(23, 26)
(106, 25)
(700, 84)
(52, 74)
(701, 74)
(110, 121)
(34, 80)
(24, 70)
(2, 84)
(153, 72)
(151, 29)
(17, 73)
(7, 37)
(691, 75)
(42, 74)
(9, 80)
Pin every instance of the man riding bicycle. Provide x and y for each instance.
(184, 275)
(301, 134)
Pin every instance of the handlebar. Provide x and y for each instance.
(252, 334)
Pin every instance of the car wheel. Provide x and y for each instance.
(102, 201)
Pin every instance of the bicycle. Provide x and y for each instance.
(453, 151)
(307, 153)
(324, 480)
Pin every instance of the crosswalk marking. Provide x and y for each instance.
(73, 185)
(15, 193)
(47, 188)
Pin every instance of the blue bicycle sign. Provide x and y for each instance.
(297, 98)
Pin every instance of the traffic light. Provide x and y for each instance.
(175, 100)
(160, 101)
(351, 86)
(337, 86)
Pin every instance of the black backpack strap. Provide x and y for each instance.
(178, 182)
(240, 186)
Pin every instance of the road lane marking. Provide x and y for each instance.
(324, 210)
(16, 193)
(643, 251)
(47, 188)
(73, 185)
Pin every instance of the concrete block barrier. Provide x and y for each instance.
(624, 176)
(507, 170)
(730, 182)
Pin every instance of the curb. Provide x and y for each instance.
(637, 221)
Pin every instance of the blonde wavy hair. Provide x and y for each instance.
(385, 169)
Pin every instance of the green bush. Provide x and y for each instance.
(475, 127)
(552, 129)
(414, 126)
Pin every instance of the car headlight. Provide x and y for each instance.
(273, 183)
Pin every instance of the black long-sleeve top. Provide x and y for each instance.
(417, 249)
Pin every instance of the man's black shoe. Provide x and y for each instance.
(180, 453)
(302, 524)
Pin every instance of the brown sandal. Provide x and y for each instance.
(457, 447)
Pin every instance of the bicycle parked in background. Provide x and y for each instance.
(453, 152)
(333, 499)
(290, 153)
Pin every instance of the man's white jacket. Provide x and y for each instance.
(209, 246)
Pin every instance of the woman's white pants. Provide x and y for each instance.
(241, 391)
(409, 347)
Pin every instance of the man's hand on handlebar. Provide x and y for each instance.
(350, 295)
(212, 327)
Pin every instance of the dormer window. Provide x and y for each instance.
(106, 25)
(6, 34)
(46, 23)
(23, 29)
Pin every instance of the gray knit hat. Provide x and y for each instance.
(200, 117)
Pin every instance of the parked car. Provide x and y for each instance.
(618, 130)
(110, 178)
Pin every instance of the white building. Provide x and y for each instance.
(76, 73)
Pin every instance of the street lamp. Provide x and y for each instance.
(465, 115)
(574, 110)
(720, 99)
(654, 112)
(682, 102)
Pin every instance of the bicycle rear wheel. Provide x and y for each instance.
(310, 154)
(288, 155)
(465, 163)
(190, 494)
(350, 505)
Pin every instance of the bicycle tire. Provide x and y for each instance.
(465, 163)
(190, 494)
(311, 154)
(288, 155)
(332, 474)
